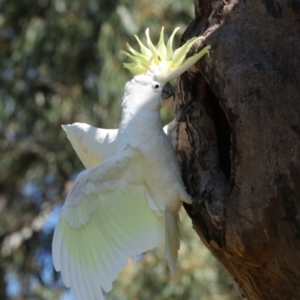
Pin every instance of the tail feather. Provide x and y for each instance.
(172, 240)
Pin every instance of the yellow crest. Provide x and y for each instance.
(161, 61)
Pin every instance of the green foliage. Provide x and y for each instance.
(60, 62)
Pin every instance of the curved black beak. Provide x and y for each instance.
(168, 91)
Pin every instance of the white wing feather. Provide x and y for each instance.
(94, 145)
(170, 131)
(96, 232)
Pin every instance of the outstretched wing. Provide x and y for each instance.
(95, 145)
(104, 220)
(92, 145)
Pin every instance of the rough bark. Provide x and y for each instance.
(240, 145)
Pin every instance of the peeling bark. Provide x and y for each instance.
(240, 145)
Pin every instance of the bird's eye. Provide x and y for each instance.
(156, 85)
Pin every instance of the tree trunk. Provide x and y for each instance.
(240, 145)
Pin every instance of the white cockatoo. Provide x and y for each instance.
(129, 202)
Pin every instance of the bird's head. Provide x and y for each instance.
(161, 62)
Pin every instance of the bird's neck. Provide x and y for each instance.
(136, 119)
(139, 119)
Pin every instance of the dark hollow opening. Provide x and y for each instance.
(223, 131)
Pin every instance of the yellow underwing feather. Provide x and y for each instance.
(94, 238)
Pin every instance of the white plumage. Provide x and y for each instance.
(94, 145)
(127, 200)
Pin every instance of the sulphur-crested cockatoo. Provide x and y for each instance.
(128, 203)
